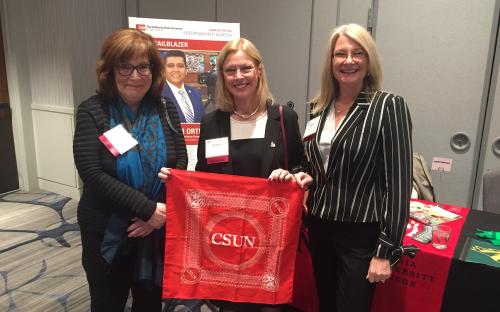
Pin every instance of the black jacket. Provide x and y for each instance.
(217, 124)
(103, 193)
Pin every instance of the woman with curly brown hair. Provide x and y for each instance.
(122, 209)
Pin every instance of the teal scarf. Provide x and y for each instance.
(138, 168)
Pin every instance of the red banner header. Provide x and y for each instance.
(184, 44)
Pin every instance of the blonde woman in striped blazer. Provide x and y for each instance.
(361, 162)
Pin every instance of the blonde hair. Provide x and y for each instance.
(223, 99)
(119, 47)
(329, 89)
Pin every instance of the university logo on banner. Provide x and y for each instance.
(231, 238)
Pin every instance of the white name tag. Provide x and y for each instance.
(217, 150)
(117, 140)
(441, 164)
(311, 129)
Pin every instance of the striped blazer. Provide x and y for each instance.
(369, 173)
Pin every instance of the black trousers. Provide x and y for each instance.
(109, 285)
(341, 253)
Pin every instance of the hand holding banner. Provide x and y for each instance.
(231, 238)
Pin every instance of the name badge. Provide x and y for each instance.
(217, 150)
(311, 129)
(117, 140)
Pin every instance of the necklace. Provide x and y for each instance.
(243, 116)
(338, 111)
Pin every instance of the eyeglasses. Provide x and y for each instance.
(233, 71)
(356, 56)
(125, 69)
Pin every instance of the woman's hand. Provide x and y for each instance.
(139, 228)
(280, 175)
(164, 174)
(303, 180)
(379, 270)
(157, 220)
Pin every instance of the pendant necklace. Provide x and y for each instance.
(243, 116)
(338, 110)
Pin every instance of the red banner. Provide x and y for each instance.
(191, 132)
(230, 238)
(189, 44)
(418, 284)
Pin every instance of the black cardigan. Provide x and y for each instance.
(103, 193)
(217, 124)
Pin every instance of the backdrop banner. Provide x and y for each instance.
(231, 238)
(201, 43)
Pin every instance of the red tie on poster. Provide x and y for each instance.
(230, 238)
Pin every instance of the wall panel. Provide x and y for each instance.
(282, 34)
(54, 160)
(324, 20)
(354, 11)
(51, 51)
(437, 55)
(193, 10)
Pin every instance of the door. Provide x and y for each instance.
(8, 169)
(437, 55)
(490, 149)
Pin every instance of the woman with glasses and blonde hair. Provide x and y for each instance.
(249, 119)
(122, 209)
(361, 162)
(248, 115)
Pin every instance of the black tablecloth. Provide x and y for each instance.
(473, 286)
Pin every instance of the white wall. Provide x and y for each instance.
(51, 50)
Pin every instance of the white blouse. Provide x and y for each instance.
(327, 134)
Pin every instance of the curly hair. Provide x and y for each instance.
(119, 47)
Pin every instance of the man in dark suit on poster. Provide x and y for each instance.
(186, 98)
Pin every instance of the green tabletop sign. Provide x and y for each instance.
(483, 252)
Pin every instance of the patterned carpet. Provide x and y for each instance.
(40, 250)
(40, 257)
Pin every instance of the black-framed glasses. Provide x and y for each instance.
(355, 56)
(125, 69)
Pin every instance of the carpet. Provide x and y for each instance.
(40, 257)
(40, 254)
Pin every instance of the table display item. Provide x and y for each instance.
(440, 236)
(425, 236)
(493, 236)
(431, 214)
(479, 251)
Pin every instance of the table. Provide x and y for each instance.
(441, 280)
(473, 286)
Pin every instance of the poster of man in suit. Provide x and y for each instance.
(189, 50)
(187, 99)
